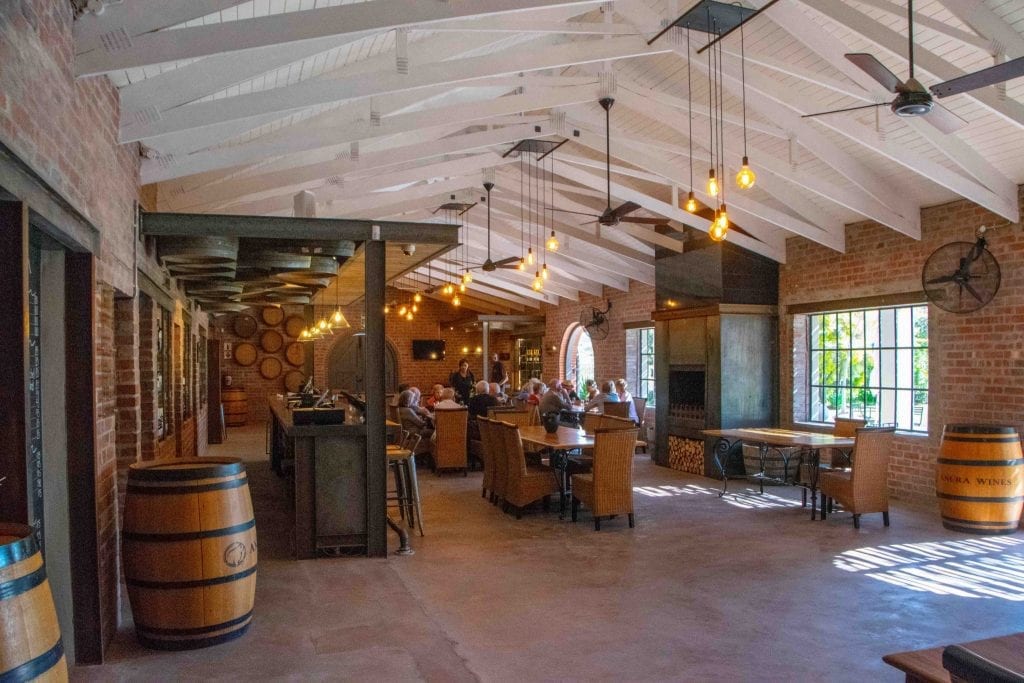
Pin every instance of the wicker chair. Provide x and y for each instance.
(865, 487)
(520, 418)
(487, 453)
(450, 445)
(831, 458)
(591, 422)
(608, 490)
(616, 409)
(524, 485)
(612, 422)
(499, 460)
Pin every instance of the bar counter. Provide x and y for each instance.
(330, 482)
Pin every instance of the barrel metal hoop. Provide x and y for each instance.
(1012, 524)
(980, 429)
(982, 499)
(981, 463)
(189, 644)
(189, 535)
(210, 471)
(22, 584)
(153, 630)
(975, 439)
(34, 668)
(178, 490)
(199, 583)
(16, 551)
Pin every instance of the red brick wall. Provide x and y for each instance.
(128, 424)
(106, 458)
(610, 353)
(976, 361)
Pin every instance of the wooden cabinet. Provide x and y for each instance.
(528, 360)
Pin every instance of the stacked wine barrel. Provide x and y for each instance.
(189, 547)
(30, 643)
(236, 407)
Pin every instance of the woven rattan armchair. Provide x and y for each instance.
(865, 487)
(499, 460)
(608, 490)
(640, 404)
(487, 454)
(520, 418)
(616, 409)
(524, 485)
(829, 458)
(613, 422)
(450, 445)
(591, 422)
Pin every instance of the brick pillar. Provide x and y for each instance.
(127, 416)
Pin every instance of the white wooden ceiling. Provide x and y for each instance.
(386, 108)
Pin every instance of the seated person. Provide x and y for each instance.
(589, 390)
(435, 396)
(606, 395)
(555, 400)
(412, 422)
(447, 401)
(423, 412)
(526, 390)
(494, 389)
(534, 398)
(401, 388)
(626, 397)
(481, 400)
(570, 389)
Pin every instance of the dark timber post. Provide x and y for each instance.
(373, 380)
(14, 361)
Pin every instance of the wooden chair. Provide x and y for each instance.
(608, 490)
(525, 485)
(520, 418)
(616, 409)
(865, 487)
(393, 413)
(450, 445)
(499, 459)
(487, 455)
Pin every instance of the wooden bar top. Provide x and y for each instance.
(782, 437)
(925, 666)
(283, 414)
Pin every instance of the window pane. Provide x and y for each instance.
(857, 368)
(872, 368)
(887, 327)
(815, 332)
(843, 330)
(816, 367)
(871, 334)
(905, 368)
(857, 329)
(888, 368)
(921, 326)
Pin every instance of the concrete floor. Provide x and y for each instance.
(737, 588)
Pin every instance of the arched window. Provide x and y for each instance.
(578, 355)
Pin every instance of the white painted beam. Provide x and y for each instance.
(341, 20)
(309, 93)
(122, 22)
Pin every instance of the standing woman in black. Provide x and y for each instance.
(462, 382)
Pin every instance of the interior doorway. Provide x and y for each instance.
(578, 356)
(345, 365)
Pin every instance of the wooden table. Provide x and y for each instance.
(560, 443)
(768, 438)
(925, 666)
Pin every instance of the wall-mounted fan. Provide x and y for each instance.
(913, 99)
(961, 277)
(620, 213)
(595, 321)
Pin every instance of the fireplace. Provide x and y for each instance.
(686, 394)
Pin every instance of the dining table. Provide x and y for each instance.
(768, 439)
(558, 444)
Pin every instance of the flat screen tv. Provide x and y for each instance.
(428, 349)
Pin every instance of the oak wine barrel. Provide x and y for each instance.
(236, 408)
(189, 547)
(30, 644)
(979, 479)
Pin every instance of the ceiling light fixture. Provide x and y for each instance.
(746, 176)
(691, 201)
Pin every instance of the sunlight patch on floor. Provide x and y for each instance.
(748, 499)
(971, 568)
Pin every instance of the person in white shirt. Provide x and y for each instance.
(606, 395)
(626, 397)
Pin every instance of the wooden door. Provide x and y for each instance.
(345, 366)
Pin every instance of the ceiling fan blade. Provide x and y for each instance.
(870, 65)
(578, 213)
(979, 79)
(510, 266)
(624, 209)
(507, 261)
(645, 221)
(839, 111)
(945, 120)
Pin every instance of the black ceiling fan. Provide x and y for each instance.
(620, 213)
(488, 265)
(913, 99)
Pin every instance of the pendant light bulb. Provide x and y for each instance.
(456, 301)
(746, 176)
(417, 297)
(529, 257)
(544, 271)
(462, 288)
(415, 308)
(522, 264)
(402, 311)
(720, 226)
(538, 284)
(691, 203)
(323, 325)
(552, 244)
(467, 277)
(712, 184)
(408, 316)
(387, 309)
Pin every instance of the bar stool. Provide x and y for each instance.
(402, 462)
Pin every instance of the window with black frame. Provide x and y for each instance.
(869, 364)
(645, 364)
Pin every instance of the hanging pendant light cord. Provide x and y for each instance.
(689, 102)
(743, 77)
(721, 120)
(608, 153)
(711, 104)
